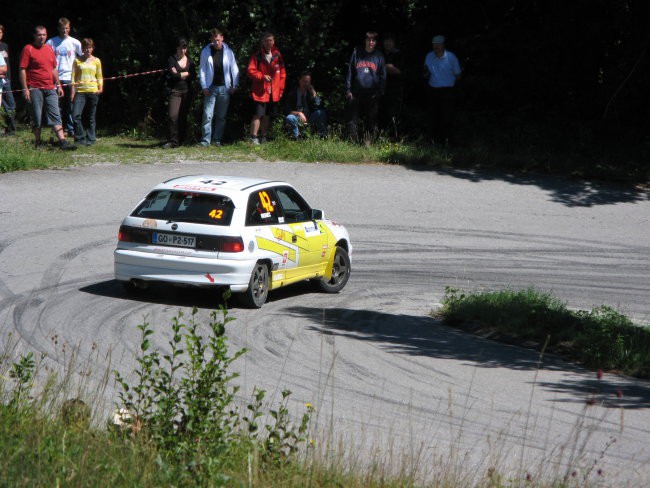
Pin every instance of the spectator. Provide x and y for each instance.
(66, 49)
(8, 102)
(181, 73)
(304, 107)
(267, 72)
(3, 71)
(364, 85)
(442, 70)
(219, 77)
(87, 85)
(391, 105)
(39, 79)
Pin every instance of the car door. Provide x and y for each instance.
(308, 236)
(273, 239)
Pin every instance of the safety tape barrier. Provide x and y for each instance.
(119, 77)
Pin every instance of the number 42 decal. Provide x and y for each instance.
(265, 200)
(216, 214)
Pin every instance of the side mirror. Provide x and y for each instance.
(317, 214)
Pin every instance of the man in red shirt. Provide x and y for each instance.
(268, 75)
(39, 79)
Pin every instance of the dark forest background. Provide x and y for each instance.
(552, 72)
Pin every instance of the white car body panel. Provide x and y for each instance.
(294, 251)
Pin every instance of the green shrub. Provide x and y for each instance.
(602, 338)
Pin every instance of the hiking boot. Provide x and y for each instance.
(66, 146)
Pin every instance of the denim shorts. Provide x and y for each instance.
(48, 99)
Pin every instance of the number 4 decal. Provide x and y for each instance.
(266, 201)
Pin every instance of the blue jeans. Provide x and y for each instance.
(65, 107)
(80, 101)
(215, 107)
(316, 119)
(9, 105)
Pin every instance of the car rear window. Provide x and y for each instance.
(184, 206)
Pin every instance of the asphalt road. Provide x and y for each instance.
(385, 378)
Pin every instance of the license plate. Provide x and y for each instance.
(173, 240)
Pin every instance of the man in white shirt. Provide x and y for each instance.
(442, 71)
(67, 49)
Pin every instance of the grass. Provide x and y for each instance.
(601, 338)
(17, 153)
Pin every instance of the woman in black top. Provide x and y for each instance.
(181, 73)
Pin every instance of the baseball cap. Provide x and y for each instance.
(438, 40)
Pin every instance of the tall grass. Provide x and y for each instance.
(177, 424)
(600, 338)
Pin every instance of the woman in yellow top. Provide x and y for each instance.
(87, 85)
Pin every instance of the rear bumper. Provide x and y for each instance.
(188, 270)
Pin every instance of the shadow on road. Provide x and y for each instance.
(572, 193)
(426, 336)
(202, 298)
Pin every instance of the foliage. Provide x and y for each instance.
(183, 401)
(589, 65)
(601, 338)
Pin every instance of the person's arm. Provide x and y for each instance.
(100, 77)
(253, 70)
(57, 82)
(457, 70)
(234, 72)
(348, 76)
(73, 83)
(22, 75)
(283, 76)
(382, 75)
(204, 66)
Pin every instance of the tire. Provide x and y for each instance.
(258, 287)
(340, 273)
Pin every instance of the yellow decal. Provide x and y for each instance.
(269, 245)
(266, 201)
(216, 214)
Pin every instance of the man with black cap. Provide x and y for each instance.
(442, 71)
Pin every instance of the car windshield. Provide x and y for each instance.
(183, 206)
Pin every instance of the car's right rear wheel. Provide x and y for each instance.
(258, 287)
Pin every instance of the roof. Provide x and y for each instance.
(214, 183)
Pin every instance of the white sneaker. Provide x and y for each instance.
(255, 141)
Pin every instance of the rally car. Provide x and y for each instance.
(250, 235)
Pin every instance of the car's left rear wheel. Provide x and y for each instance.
(258, 287)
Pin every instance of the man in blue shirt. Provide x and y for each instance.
(442, 71)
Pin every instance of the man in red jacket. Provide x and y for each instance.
(266, 71)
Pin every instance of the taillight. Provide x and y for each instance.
(124, 235)
(231, 244)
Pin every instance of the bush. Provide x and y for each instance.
(602, 338)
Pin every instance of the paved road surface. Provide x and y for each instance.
(379, 370)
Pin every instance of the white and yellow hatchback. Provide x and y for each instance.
(251, 235)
